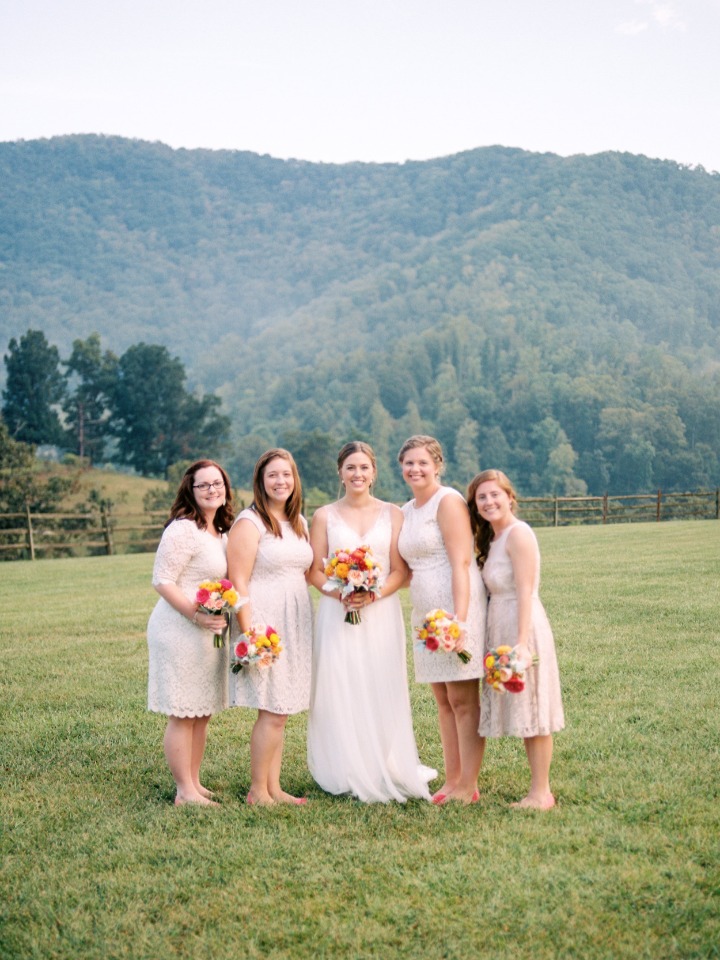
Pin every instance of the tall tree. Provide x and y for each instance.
(34, 389)
(155, 419)
(91, 375)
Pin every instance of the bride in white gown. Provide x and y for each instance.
(360, 734)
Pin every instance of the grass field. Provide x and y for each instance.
(97, 863)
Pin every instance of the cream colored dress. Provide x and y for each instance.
(538, 709)
(421, 544)
(187, 675)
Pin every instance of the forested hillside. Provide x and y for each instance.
(559, 318)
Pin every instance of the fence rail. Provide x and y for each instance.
(27, 535)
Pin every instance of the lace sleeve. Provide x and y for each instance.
(174, 552)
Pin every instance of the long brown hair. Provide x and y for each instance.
(185, 507)
(293, 504)
(481, 529)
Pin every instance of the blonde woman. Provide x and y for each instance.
(436, 542)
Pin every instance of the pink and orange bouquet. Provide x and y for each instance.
(218, 598)
(440, 631)
(259, 646)
(505, 669)
(352, 571)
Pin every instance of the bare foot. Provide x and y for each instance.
(544, 802)
(265, 800)
(196, 798)
(204, 792)
(283, 797)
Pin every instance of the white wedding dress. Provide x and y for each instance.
(360, 734)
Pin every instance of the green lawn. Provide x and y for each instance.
(97, 863)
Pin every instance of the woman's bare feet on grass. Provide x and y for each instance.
(544, 802)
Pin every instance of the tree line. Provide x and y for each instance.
(134, 410)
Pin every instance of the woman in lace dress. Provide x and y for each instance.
(360, 734)
(187, 677)
(508, 555)
(268, 556)
(436, 542)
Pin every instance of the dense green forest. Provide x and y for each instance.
(558, 318)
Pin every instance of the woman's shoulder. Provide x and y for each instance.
(251, 516)
(181, 528)
(520, 532)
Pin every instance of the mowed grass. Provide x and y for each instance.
(97, 863)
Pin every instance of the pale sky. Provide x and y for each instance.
(372, 80)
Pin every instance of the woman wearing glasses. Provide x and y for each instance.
(187, 673)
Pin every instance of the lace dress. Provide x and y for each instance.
(538, 709)
(279, 596)
(422, 546)
(360, 734)
(187, 674)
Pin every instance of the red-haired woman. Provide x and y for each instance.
(187, 677)
(508, 555)
(268, 557)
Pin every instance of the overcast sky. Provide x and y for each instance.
(374, 80)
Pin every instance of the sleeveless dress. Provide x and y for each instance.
(538, 709)
(279, 596)
(421, 544)
(187, 675)
(360, 734)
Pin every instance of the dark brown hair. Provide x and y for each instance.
(356, 446)
(482, 530)
(186, 508)
(293, 504)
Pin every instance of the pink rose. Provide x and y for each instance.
(226, 585)
(432, 643)
(241, 649)
(355, 577)
(202, 596)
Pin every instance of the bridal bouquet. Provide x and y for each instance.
(505, 670)
(441, 631)
(259, 646)
(218, 598)
(352, 571)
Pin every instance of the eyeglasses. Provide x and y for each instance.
(205, 487)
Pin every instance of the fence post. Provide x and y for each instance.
(717, 503)
(107, 528)
(556, 510)
(31, 540)
(605, 507)
(659, 502)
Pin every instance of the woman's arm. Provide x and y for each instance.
(399, 574)
(242, 548)
(454, 522)
(319, 543)
(522, 549)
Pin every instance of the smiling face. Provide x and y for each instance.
(419, 470)
(494, 503)
(357, 472)
(278, 480)
(208, 489)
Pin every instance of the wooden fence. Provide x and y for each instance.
(27, 535)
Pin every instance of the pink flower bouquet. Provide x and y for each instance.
(352, 571)
(440, 631)
(259, 646)
(505, 669)
(218, 598)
